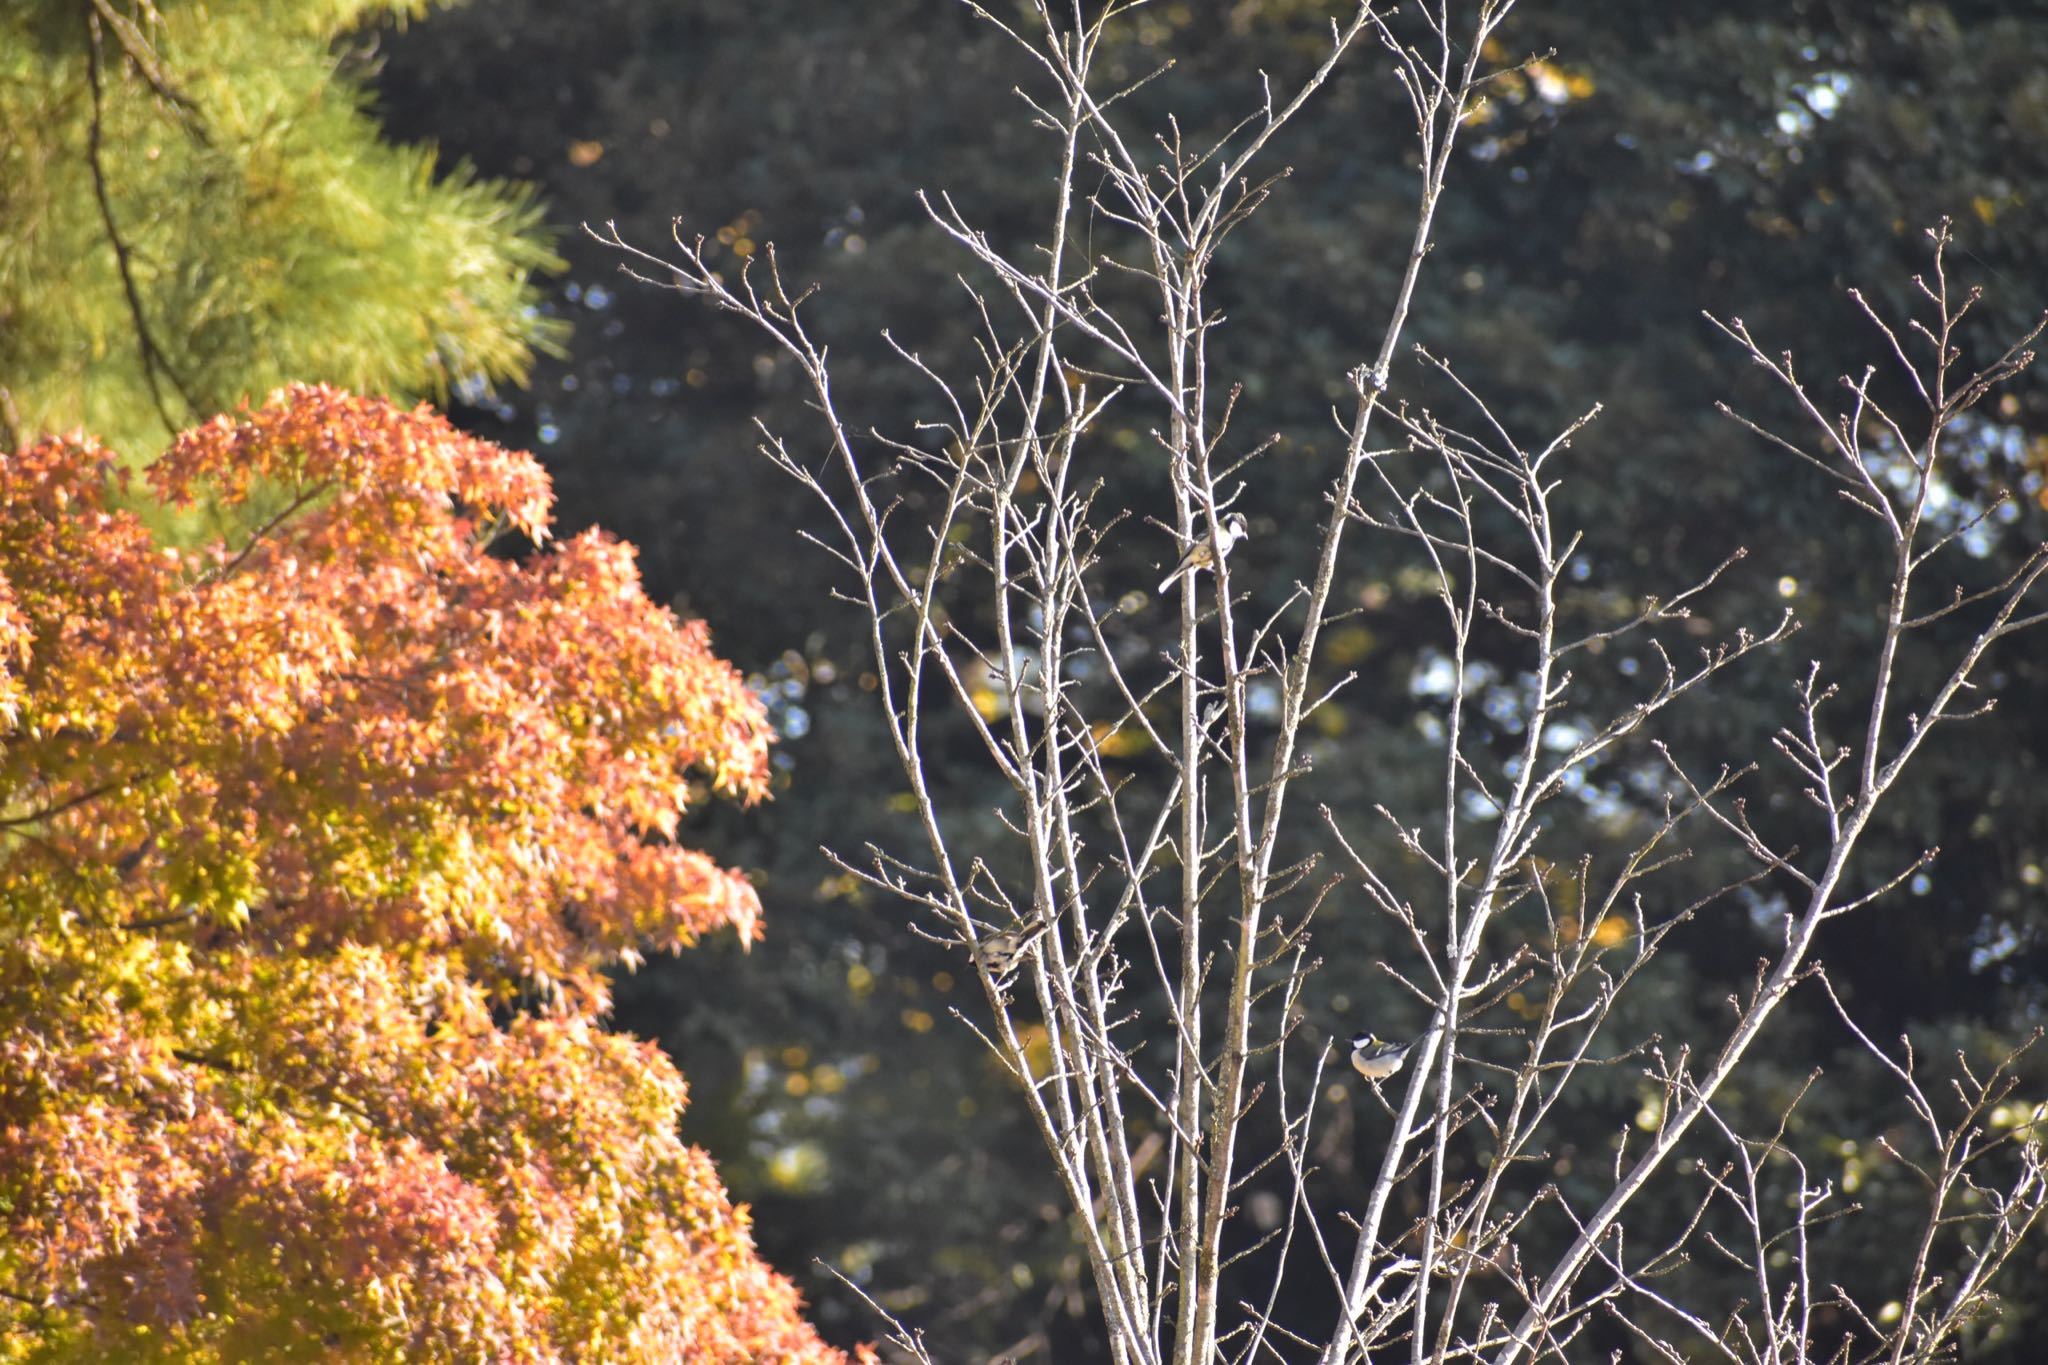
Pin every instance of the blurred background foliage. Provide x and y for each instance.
(1750, 158)
(1753, 158)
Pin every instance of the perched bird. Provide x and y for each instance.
(1004, 951)
(1376, 1059)
(1200, 556)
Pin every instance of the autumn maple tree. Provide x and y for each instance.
(316, 843)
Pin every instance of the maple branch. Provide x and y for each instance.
(229, 568)
(51, 812)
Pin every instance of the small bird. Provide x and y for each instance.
(1199, 555)
(1376, 1059)
(1004, 951)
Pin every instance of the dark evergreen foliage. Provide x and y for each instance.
(1753, 159)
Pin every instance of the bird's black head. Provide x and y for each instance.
(1363, 1040)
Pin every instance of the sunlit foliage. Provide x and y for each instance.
(199, 207)
(316, 844)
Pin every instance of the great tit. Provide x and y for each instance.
(1004, 951)
(1376, 1059)
(1200, 556)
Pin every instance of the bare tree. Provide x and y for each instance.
(1144, 969)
